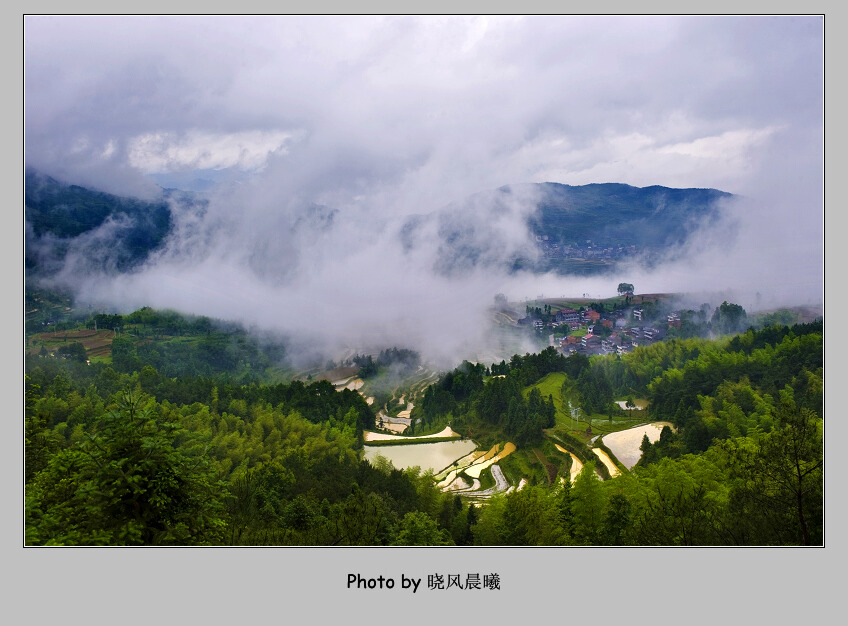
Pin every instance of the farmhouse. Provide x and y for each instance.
(571, 340)
(568, 316)
(531, 320)
(591, 315)
(590, 341)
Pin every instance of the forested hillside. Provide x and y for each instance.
(144, 446)
(92, 230)
(619, 214)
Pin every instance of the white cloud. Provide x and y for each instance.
(166, 152)
(732, 147)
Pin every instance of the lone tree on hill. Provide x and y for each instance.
(729, 318)
(625, 288)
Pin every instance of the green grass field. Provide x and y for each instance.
(551, 385)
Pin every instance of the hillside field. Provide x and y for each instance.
(97, 343)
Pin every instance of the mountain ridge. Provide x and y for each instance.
(578, 229)
(570, 229)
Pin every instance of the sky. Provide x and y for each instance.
(382, 118)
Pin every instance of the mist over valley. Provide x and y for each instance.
(331, 286)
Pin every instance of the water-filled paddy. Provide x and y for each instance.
(434, 456)
(625, 443)
(576, 464)
(623, 405)
(445, 432)
(613, 470)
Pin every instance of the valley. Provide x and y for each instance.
(570, 424)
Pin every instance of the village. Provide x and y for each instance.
(605, 251)
(589, 332)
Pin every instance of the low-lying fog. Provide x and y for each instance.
(331, 133)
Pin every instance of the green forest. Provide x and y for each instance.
(189, 433)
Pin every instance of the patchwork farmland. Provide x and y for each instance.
(97, 343)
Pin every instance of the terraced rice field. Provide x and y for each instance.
(446, 432)
(501, 486)
(576, 464)
(475, 469)
(427, 456)
(471, 466)
(354, 383)
(427, 377)
(604, 457)
(625, 444)
(96, 342)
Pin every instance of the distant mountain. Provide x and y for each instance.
(616, 214)
(535, 226)
(574, 229)
(107, 231)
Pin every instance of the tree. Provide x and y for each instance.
(785, 473)
(681, 502)
(624, 288)
(588, 506)
(649, 453)
(617, 521)
(467, 535)
(74, 351)
(125, 355)
(728, 318)
(363, 519)
(126, 484)
(39, 445)
(531, 517)
(419, 529)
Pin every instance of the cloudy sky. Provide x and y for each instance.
(386, 117)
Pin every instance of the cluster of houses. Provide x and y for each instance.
(616, 332)
(590, 250)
